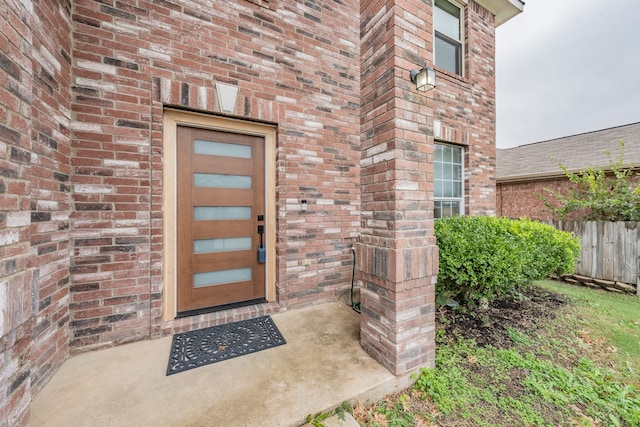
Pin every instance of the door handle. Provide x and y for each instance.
(262, 252)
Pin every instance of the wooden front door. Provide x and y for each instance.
(220, 212)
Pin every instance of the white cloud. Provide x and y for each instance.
(567, 67)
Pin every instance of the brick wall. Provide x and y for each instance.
(295, 65)
(50, 185)
(464, 110)
(82, 91)
(398, 251)
(521, 199)
(16, 311)
(398, 256)
(34, 199)
(111, 176)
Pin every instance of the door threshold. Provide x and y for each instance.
(215, 308)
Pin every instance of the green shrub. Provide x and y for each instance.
(487, 257)
(597, 194)
(546, 249)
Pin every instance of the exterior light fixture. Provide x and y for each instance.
(424, 78)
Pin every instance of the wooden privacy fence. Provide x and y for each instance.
(610, 253)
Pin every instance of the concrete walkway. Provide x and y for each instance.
(321, 366)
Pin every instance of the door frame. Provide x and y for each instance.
(172, 118)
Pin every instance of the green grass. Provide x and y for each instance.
(581, 368)
(603, 314)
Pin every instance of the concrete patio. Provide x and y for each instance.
(321, 366)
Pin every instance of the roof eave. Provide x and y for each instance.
(529, 178)
(551, 175)
(504, 10)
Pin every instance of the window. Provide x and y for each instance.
(448, 181)
(448, 36)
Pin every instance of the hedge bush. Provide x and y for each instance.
(484, 258)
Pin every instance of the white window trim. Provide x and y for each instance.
(463, 196)
(460, 4)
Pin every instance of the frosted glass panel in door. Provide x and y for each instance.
(222, 149)
(222, 245)
(213, 278)
(213, 180)
(211, 213)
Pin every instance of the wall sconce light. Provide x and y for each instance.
(424, 78)
(303, 206)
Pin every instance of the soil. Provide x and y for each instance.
(489, 326)
(531, 310)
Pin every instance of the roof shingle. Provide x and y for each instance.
(576, 153)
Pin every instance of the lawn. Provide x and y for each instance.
(554, 355)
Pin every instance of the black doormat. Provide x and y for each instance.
(210, 345)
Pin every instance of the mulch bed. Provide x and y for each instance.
(489, 326)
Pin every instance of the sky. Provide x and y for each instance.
(565, 67)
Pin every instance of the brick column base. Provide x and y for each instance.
(398, 318)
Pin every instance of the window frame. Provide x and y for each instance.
(457, 44)
(461, 199)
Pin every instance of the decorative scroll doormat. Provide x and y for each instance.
(210, 345)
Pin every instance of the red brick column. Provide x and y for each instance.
(398, 256)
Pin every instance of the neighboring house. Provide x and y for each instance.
(523, 173)
(143, 142)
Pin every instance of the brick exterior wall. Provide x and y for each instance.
(397, 251)
(518, 199)
(83, 89)
(299, 71)
(35, 57)
(464, 110)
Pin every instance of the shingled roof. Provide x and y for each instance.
(576, 152)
